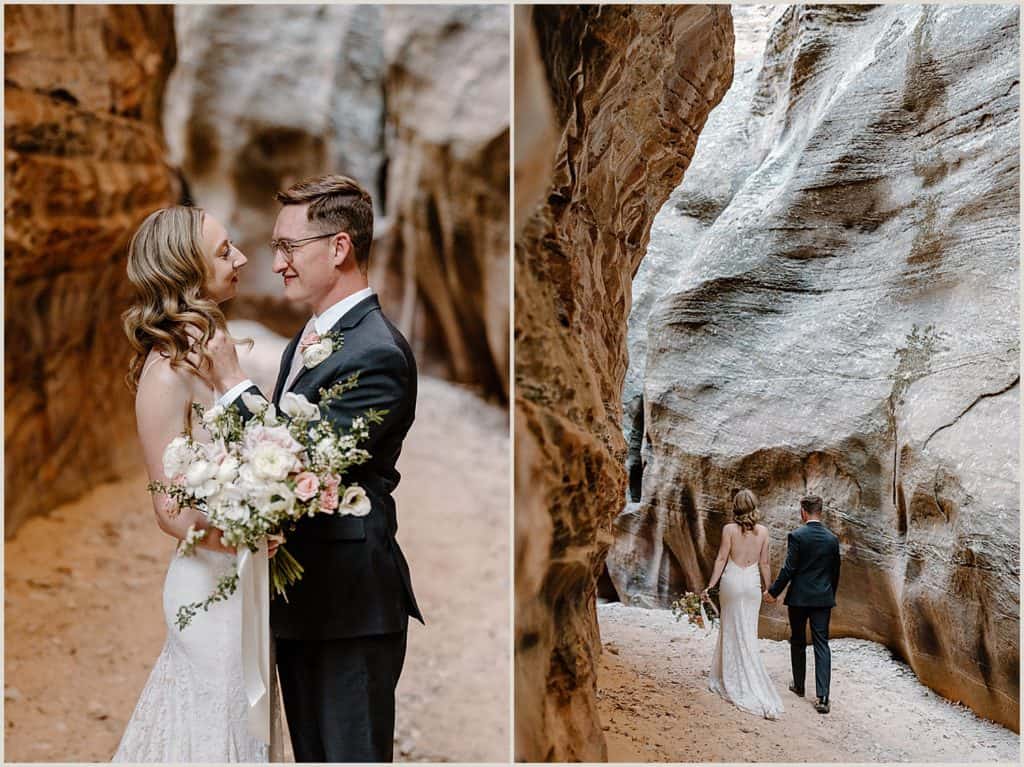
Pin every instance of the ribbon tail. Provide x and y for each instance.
(254, 582)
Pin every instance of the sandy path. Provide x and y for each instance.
(655, 705)
(83, 620)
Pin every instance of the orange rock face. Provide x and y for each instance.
(631, 88)
(84, 164)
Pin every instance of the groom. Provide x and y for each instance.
(341, 636)
(812, 573)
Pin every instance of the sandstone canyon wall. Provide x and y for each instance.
(412, 102)
(631, 88)
(264, 96)
(445, 259)
(84, 165)
(832, 307)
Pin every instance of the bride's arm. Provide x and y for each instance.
(160, 413)
(720, 560)
(764, 563)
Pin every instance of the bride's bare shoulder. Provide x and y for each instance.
(161, 384)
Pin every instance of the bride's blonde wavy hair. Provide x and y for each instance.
(744, 510)
(167, 268)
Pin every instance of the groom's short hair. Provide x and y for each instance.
(337, 203)
(811, 504)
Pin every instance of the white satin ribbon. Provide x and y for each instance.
(254, 583)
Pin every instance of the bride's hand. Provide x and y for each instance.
(273, 542)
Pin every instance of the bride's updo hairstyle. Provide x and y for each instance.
(744, 510)
(167, 268)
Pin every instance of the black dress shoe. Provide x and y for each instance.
(822, 706)
(794, 689)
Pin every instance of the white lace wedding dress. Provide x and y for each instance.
(194, 707)
(737, 673)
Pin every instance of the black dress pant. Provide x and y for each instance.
(339, 696)
(818, 618)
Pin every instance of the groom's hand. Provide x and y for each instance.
(768, 597)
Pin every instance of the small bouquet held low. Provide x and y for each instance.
(256, 478)
(692, 607)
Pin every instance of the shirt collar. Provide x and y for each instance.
(324, 322)
(814, 521)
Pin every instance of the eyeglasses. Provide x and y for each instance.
(288, 247)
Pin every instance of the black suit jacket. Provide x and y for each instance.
(356, 580)
(811, 569)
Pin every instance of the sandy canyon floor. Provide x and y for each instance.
(655, 705)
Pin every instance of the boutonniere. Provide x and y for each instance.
(315, 348)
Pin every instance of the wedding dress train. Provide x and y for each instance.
(737, 673)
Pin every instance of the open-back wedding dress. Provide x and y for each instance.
(737, 673)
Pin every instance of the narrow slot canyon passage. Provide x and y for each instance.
(791, 331)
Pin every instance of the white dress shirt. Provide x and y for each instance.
(321, 323)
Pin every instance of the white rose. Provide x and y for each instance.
(200, 478)
(249, 479)
(354, 502)
(297, 406)
(270, 416)
(325, 449)
(228, 470)
(228, 506)
(177, 457)
(254, 402)
(270, 461)
(213, 414)
(199, 472)
(316, 353)
(279, 498)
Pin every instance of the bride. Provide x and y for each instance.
(737, 673)
(194, 707)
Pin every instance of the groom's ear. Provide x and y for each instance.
(343, 249)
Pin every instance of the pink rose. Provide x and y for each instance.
(274, 435)
(306, 485)
(329, 494)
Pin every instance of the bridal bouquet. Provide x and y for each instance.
(254, 479)
(691, 607)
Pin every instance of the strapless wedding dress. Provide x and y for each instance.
(194, 708)
(737, 673)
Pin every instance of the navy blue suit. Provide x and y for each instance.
(341, 635)
(811, 571)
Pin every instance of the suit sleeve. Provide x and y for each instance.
(383, 385)
(239, 403)
(789, 568)
(835, 572)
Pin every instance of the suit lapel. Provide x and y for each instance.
(348, 320)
